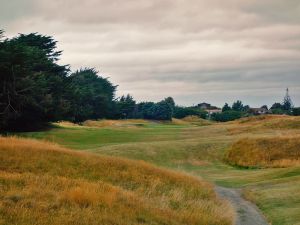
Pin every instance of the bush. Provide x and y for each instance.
(226, 116)
(279, 111)
(182, 112)
(154, 111)
(296, 111)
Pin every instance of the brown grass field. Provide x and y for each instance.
(43, 183)
(265, 152)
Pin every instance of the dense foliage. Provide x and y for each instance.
(236, 111)
(91, 96)
(227, 116)
(36, 90)
(32, 83)
(280, 109)
(181, 112)
(226, 107)
(162, 110)
(296, 111)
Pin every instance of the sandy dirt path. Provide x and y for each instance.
(247, 213)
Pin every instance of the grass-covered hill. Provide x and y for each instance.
(42, 183)
(265, 152)
(198, 148)
(265, 123)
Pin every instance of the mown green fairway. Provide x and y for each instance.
(88, 138)
(197, 150)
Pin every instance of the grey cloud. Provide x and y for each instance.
(276, 11)
(193, 50)
(15, 9)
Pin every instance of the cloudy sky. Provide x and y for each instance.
(194, 50)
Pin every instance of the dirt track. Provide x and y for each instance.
(247, 212)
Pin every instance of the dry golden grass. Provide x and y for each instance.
(263, 123)
(260, 118)
(42, 183)
(189, 120)
(265, 152)
(116, 123)
(196, 120)
(66, 124)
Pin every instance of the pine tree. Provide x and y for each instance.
(226, 107)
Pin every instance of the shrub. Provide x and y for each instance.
(296, 111)
(182, 112)
(226, 116)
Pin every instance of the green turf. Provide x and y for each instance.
(90, 138)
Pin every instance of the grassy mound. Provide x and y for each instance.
(42, 183)
(265, 152)
(264, 123)
(195, 120)
(117, 123)
(284, 122)
(138, 123)
(273, 121)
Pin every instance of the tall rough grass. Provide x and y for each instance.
(42, 183)
(265, 152)
(264, 123)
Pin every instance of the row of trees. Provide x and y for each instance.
(286, 107)
(236, 106)
(127, 108)
(35, 89)
(239, 110)
(229, 113)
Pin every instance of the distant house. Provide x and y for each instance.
(258, 111)
(204, 105)
(211, 111)
(209, 108)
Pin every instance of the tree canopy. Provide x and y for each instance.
(31, 83)
(226, 107)
(90, 96)
(238, 106)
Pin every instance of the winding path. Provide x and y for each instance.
(247, 213)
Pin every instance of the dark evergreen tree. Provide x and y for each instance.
(155, 111)
(276, 105)
(296, 111)
(237, 106)
(171, 102)
(91, 96)
(163, 110)
(32, 83)
(226, 116)
(181, 112)
(125, 107)
(246, 108)
(226, 107)
(145, 110)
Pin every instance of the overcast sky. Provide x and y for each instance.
(193, 50)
